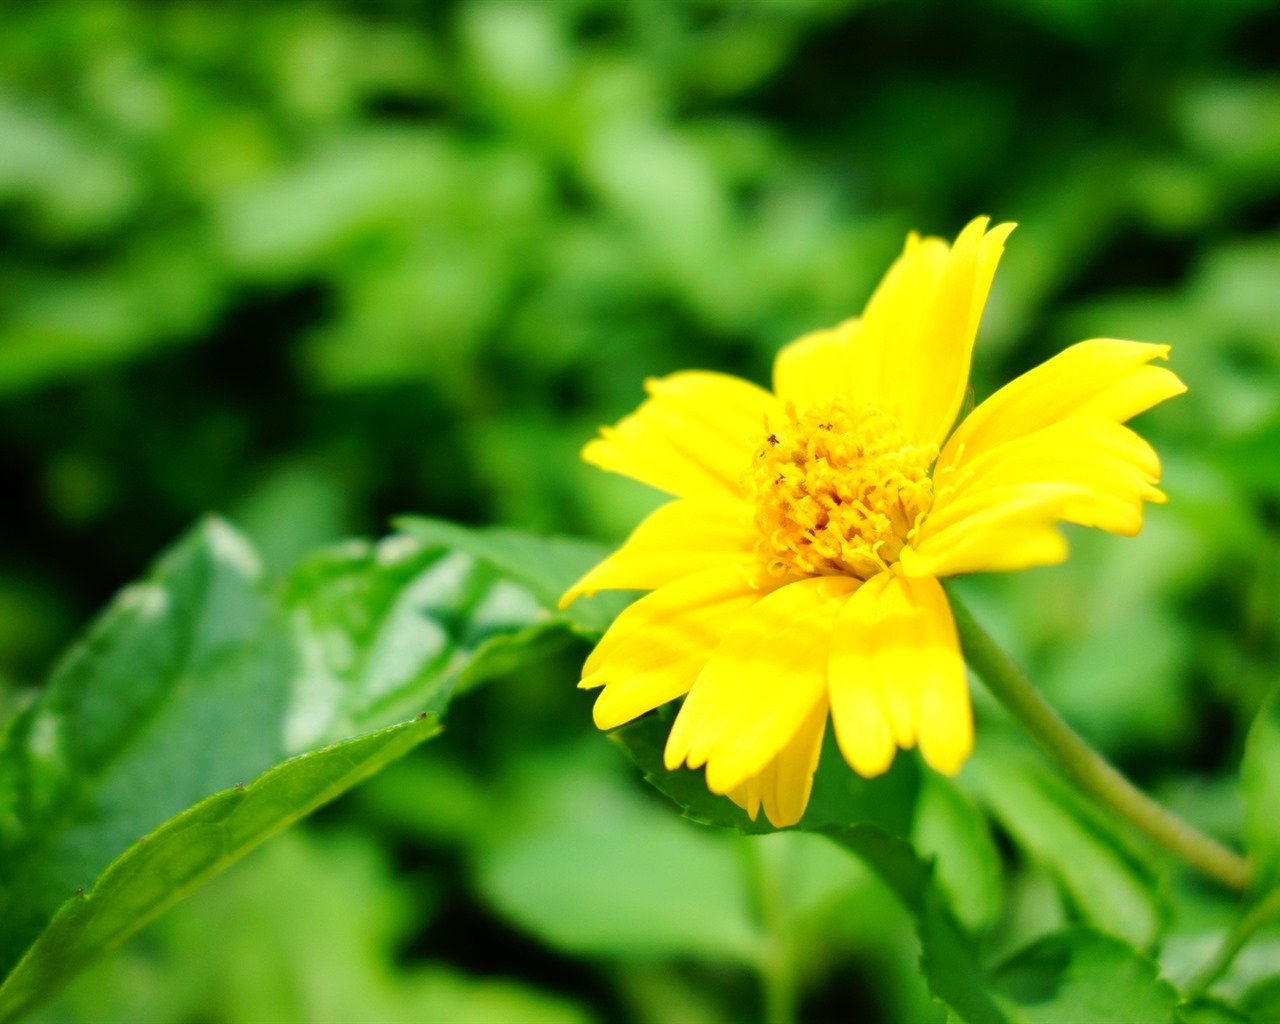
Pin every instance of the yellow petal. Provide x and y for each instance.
(859, 712)
(943, 715)
(786, 782)
(761, 684)
(1048, 447)
(1114, 468)
(1002, 529)
(674, 541)
(914, 344)
(655, 649)
(1102, 377)
(897, 677)
(816, 368)
(693, 437)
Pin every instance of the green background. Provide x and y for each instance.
(314, 266)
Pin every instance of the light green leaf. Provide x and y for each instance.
(951, 830)
(1260, 782)
(587, 865)
(1084, 977)
(161, 868)
(386, 629)
(1048, 819)
(545, 566)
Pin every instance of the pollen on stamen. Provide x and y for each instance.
(838, 491)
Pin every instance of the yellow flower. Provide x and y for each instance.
(797, 572)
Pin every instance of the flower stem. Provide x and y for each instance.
(1084, 764)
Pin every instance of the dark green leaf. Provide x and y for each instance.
(178, 691)
(867, 817)
(159, 869)
(949, 957)
(840, 797)
(1262, 1000)
(197, 678)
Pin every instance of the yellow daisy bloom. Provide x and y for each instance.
(796, 575)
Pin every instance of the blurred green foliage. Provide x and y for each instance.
(318, 265)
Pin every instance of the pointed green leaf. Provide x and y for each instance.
(177, 691)
(159, 869)
(200, 677)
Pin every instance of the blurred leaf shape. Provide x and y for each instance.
(1260, 784)
(1058, 829)
(950, 829)
(591, 867)
(318, 919)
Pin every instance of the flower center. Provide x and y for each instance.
(838, 491)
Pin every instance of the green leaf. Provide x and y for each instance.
(1049, 820)
(200, 677)
(1260, 782)
(1082, 976)
(159, 869)
(545, 566)
(840, 797)
(177, 691)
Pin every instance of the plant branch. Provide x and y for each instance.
(1085, 765)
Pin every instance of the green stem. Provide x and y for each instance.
(1084, 764)
(1262, 912)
